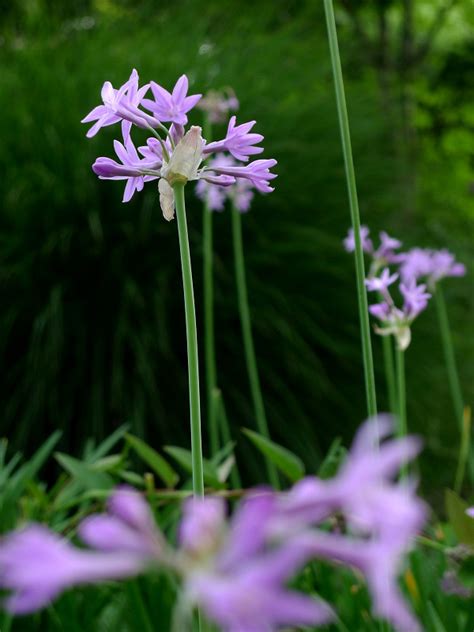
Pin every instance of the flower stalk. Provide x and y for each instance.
(387, 350)
(354, 208)
(192, 344)
(247, 336)
(402, 405)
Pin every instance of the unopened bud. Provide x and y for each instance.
(185, 159)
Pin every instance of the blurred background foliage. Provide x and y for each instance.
(92, 324)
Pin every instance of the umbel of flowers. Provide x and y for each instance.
(414, 265)
(172, 154)
(236, 570)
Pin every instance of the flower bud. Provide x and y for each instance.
(166, 199)
(185, 159)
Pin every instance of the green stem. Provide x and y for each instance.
(448, 349)
(463, 452)
(354, 208)
(387, 347)
(192, 344)
(208, 291)
(401, 388)
(249, 349)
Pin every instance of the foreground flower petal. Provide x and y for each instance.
(36, 565)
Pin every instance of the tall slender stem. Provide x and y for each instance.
(387, 348)
(192, 344)
(249, 349)
(208, 291)
(448, 349)
(402, 405)
(354, 208)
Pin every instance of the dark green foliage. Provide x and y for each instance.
(91, 325)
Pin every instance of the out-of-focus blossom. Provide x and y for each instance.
(128, 525)
(171, 106)
(432, 265)
(385, 253)
(241, 193)
(415, 264)
(174, 154)
(381, 561)
(470, 512)
(397, 321)
(242, 585)
(367, 245)
(415, 298)
(238, 141)
(382, 515)
(381, 283)
(217, 104)
(36, 565)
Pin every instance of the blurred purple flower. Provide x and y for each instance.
(349, 241)
(380, 560)
(386, 515)
(433, 265)
(381, 283)
(172, 106)
(444, 264)
(36, 565)
(219, 104)
(238, 141)
(128, 525)
(242, 585)
(415, 298)
(414, 264)
(385, 253)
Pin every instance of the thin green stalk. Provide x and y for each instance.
(387, 348)
(354, 208)
(249, 349)
(208, 291)
(192, 344)
(448, 349)
(402, 406)
(463, 450)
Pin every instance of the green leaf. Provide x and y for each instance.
(84, 473)
(332, 460)
(154, 460)
(287, 462)
(462, 524)
(29, 470)
(184, 458)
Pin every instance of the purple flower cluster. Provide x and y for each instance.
(172, 154)
(396, 321)
(414, 265)
(217, 105)
(432, 265)
(237, 570)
